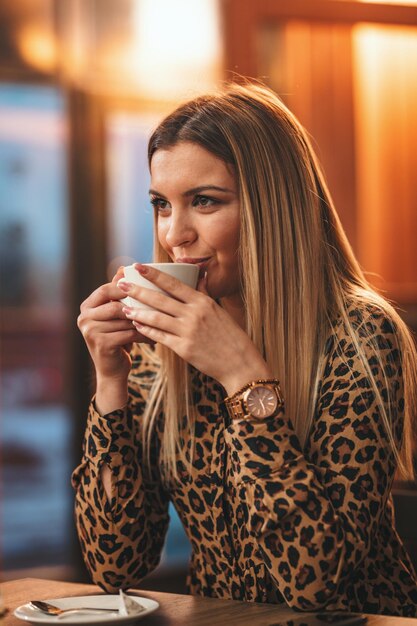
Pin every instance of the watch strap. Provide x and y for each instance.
(234, 404)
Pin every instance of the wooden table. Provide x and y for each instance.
(174, 610)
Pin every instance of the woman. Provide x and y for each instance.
(281, 504)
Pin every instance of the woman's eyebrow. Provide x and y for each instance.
(194, 190)
(153, 192)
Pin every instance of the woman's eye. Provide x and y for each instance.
(159, 204)
(204, 201)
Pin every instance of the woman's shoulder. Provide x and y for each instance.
(367, 319)
(368, 326)
(373, 316)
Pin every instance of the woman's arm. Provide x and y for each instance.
(121, 536)
(315, 515)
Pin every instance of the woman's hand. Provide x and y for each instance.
(194, 326)
(109, 336)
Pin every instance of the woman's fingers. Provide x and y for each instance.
(171, 302)
(103, 342)
(156, 335)
(154, 299)
(170, 284)
(123, 337)
(156, 319)
(108, 311)
(104, 293)
(118, 275)
(107, 326)
(93, 329)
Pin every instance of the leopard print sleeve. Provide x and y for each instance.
(321, 516)
(121, 540)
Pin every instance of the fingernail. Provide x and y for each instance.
(124, 286)
(137, 325)
(142, 269)
(127, 310)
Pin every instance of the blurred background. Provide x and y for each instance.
(82, 83)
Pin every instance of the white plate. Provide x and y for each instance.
(29, 614)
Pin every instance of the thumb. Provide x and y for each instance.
(119, 274)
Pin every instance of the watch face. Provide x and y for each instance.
(261, 401)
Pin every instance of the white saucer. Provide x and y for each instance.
(29, 614)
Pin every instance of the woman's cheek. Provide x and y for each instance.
(161, 232)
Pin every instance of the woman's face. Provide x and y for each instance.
(196, 200)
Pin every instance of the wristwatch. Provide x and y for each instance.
(258, 399)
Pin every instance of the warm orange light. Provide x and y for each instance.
(177, 47)
(165, 50)
(37, 47)
(386, 105)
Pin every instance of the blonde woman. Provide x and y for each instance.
(283, 487)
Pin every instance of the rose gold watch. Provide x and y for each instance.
(258, 399)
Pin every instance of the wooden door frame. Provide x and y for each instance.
(241, 17)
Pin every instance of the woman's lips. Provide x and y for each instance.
(202, 263)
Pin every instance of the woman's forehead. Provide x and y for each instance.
(186, 162)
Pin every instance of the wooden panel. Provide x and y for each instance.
(362, 117)
(318, 89)
(240, 24)
(241, 18)
(340, 11)
(386, 159)
(310, 67)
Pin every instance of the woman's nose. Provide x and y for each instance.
(180, 231)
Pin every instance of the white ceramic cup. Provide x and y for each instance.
(185, 272)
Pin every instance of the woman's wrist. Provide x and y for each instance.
(239, 379)
(111, 395)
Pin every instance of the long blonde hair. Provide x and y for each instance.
(300, 271)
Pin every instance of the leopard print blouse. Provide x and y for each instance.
(267, 521)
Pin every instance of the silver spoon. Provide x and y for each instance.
(50, 609)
